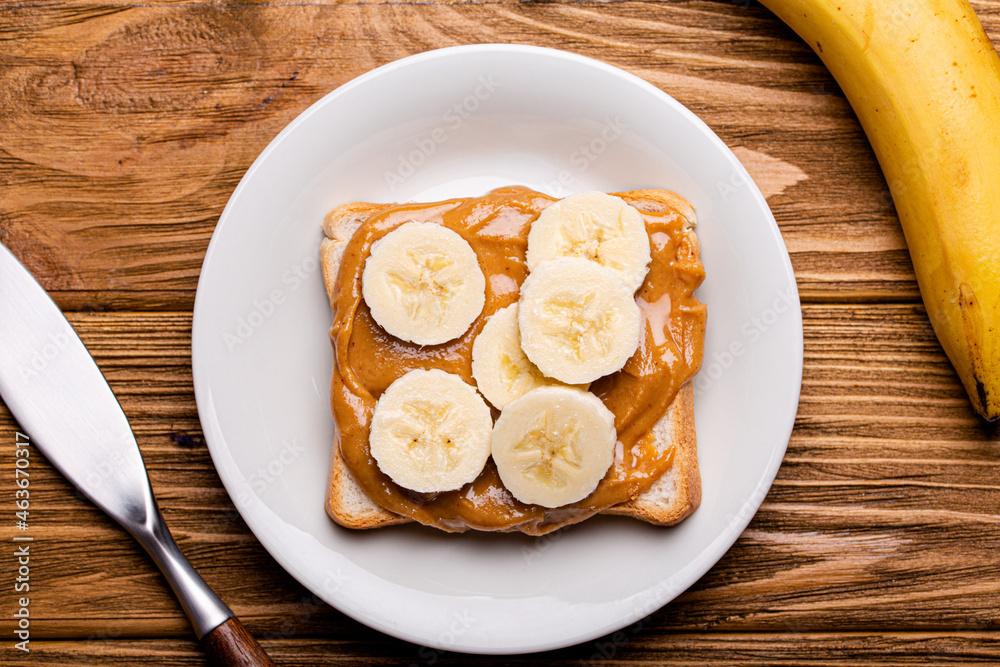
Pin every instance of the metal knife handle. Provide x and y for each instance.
(200, 602)
(224, 639)
(55, 390)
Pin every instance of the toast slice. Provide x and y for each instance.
(668, 501)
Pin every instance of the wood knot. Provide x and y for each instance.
(170, 63)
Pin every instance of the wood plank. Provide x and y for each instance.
(884, 514)
(127, 126)
(630, 647)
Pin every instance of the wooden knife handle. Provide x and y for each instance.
(230, 645)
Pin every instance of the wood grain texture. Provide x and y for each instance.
(884, 513)
(127, 126)
(124, 128)
(625, 648)
(230, 645)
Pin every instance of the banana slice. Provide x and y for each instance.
(578, 322)
(553, 445)
(595, 226)
(423, 283)
(431, 431)
(501, 369)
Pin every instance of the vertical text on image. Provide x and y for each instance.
(22, 550)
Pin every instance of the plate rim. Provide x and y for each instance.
(722, 542)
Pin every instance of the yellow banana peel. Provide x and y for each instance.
(924, 81)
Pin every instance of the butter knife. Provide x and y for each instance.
(56, 392)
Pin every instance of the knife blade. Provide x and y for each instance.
(55, 390)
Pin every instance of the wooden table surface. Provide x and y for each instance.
(124, 128)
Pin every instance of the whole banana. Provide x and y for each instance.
(924, 81)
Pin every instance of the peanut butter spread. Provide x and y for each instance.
(367, 359)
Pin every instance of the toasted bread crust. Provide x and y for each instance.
(677, 493)
(668, 501)
(348, 504)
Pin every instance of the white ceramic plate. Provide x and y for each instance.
(457, 122)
